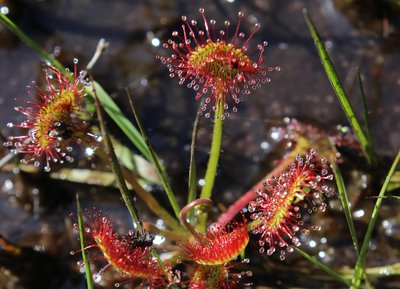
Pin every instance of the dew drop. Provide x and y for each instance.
(270, 251)
(97, 278)
(282, 255)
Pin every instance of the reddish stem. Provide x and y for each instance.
(183, 215)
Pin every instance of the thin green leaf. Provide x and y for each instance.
(156, 162)
(359, 269)
(88, 272)
(129, 201)
(395, 182)
(337, 86)
(118, 117)
(192, 184)
(28, 41)
(346, 205)
(365, 108)
(322, 266)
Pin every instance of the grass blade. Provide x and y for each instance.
(192, 184)
(129, 201)
(365, 108)
(359, 269)
(156, 162)
(124, 124)
(29, 42)
(322, 266)
(337, 86)
(88, 272)
(346, 205)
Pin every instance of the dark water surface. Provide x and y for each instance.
(34, 210)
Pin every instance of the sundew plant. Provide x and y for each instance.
(190, 238)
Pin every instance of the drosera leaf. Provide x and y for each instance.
(337, 86)
(88, 272)
(109, 105)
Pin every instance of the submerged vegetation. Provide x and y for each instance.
(196, 241)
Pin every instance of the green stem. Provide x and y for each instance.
(192, 184)
(213, 159)
(85, 258)
(360, 265)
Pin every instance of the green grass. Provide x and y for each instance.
(360, 266)
(88, 272)
(337, 86)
